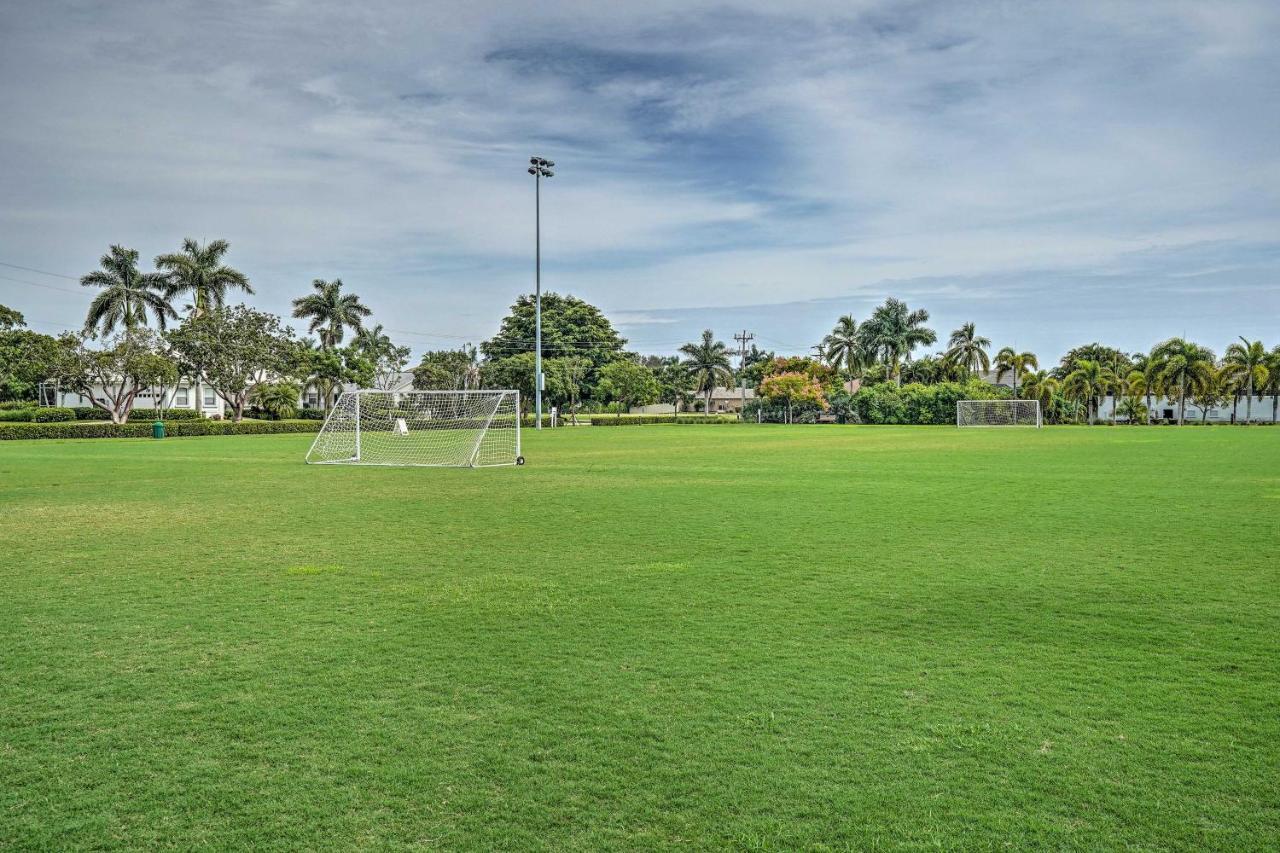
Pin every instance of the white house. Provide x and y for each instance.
(1163, 408)
(723, 400)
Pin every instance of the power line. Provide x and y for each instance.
(41, 272)
(38, 284)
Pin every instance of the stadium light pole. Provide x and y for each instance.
(540, 168)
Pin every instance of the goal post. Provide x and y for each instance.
(998, 413)
(453, 429)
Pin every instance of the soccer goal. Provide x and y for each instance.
(998, 413)
(460, 429)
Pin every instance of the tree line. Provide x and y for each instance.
(144, 331)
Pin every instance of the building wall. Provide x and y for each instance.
(1162, 407)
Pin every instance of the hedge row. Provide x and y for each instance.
(93, 413)
(37, 414)
(140, 429)
(640, 420)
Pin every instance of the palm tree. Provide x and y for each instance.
(1040, 386)
(1246, 365)
(893, 331)
(969, 350)
(330, 311)
(1089, 381)
(1273, 382)
(372, 341)
(1015, 363)
(843, 347)
(1185, 368)
(1144, 379)
(127, 294)
(708, 363)
(199, 271)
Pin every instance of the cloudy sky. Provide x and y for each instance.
(1055, 172)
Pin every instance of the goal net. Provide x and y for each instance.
(436, 428)
(997, 413)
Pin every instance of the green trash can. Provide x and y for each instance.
(157, 429)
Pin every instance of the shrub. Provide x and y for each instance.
(142, 429)
(307, 414)
(53, 414)
(17, 404)
(23, 415)
(93, 413)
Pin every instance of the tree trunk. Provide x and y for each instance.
(1182, 406)
(1248, 402)
(1235, 405)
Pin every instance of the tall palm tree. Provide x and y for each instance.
(1015, 363)
(968, 349)
(1138, 384)
(127, 294)
(893, 331)
(330, 311)
(199, 271)
(1144, 379)
(1040, 386)
(844, 348)
(1185, 368)
(1089, 381)
(708, 363)
(1246, 363)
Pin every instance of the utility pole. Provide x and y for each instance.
(743, 338)
(540, 168)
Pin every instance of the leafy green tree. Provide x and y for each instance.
(1087, 383)
(450, 370)
(1247, 367)
(127, 296)
(843, 348)
(513, 373)
(570, 327)
(279, 400)
(791, 388)
(234, 350)
(930, 370)
(1119, 362)
(11, 319)
(27, 358)
(1010, 361)
(330, 312)
(627, 383)
(892, 333)
(111, 375)
(1212, 392)
(707, 362)
(328, 369)
(754, 365)
(676, 385)
(565, 379)
(199, 272)
(968, 349)
(1185, 369)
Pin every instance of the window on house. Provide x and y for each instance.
(181, 397)
(209, 397)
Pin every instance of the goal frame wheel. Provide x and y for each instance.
(519, 460)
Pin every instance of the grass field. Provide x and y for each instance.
(762, 637)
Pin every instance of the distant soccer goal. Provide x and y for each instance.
(456, 429)
(998, 413)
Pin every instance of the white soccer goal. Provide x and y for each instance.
(998, 413)
(434, 428)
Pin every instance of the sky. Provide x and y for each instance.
(1056, 172)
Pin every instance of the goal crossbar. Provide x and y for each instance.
(433, 429)
(998, 413)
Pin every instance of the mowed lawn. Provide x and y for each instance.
(715, 636)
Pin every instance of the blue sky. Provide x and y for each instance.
(1055, 172)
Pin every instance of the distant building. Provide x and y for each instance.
(723, 400)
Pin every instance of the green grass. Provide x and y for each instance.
(761, 637)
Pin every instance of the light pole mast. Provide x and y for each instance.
(540, 168)
(743, 339)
